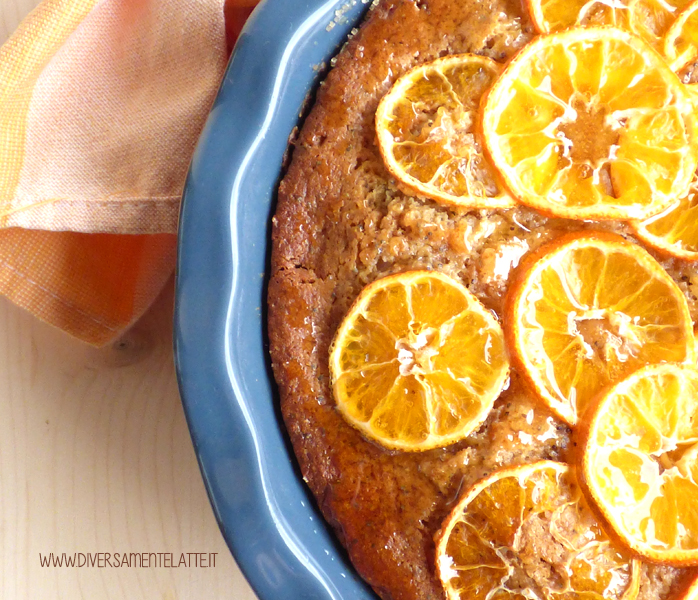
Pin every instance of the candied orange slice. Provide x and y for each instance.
(591, 124)
(588, 309)
(640, 461)
(675, 229)
(417, 362)
(681, 39)
(649, 19)
(527, 532)
(426, 132)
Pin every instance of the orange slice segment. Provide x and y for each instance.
(681, 39)
(426, 132)
(674, 230)
(649, 19)
(588, 309)
(640, 461)
(591, 124)
(417, 362)
(527, 532)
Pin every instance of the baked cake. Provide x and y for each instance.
(342, 222)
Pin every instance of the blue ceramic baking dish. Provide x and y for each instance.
(265, 512)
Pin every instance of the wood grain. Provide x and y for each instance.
(95, 456)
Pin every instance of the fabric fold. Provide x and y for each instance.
(101, 105)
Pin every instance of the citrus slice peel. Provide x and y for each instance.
(417, 362)
(483, 548)
(591, 124)
(674, 231)
(639, 461)
(586, 310)
(426, 128)
(647, 18)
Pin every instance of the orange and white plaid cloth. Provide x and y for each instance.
(101, 105)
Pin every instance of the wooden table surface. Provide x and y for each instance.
(95, 456)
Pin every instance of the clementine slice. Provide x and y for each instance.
(426, 132)
(674, 230)
(527, 532)
(588, 309)
(417, 362)
(591, 124)
(649, 19)
(640, 461)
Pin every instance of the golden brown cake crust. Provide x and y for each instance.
(342, 222)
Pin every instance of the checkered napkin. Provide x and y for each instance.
(101, 104)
